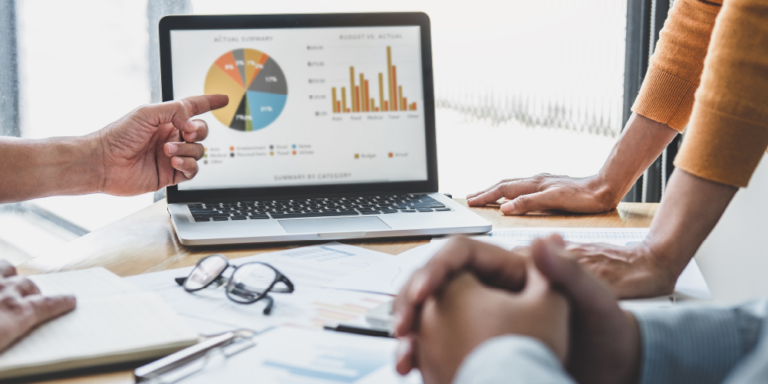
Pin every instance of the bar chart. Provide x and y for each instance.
(359, 98)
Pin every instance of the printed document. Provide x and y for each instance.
(390, 276)
(209, 310)
(292, 355)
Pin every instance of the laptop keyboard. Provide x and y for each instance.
(316, 207)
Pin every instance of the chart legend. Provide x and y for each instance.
(360, 100)
(256, 87)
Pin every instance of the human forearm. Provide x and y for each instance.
(689, 211)
(638, 147)
(57, 166)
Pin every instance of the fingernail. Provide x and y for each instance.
(192, 136)
(173, 148)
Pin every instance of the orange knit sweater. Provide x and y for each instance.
(711, 66)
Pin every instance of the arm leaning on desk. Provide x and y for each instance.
(145, 242)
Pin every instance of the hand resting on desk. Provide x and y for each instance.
(23, 308)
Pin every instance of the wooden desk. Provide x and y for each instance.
(145, 242)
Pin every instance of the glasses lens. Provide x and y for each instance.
(250, 282)
(206, 272)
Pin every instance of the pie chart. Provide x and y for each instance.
(255, 85)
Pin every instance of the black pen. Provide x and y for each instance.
(358, 330)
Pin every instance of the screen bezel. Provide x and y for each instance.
(200, 22)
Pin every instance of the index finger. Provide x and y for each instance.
(180, 112)
(49, 307)
(493, 265)
(509, 190)
(473, 195)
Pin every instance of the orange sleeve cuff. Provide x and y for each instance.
(674, 73)
(722, 148)
(665, 98)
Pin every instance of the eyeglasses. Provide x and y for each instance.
(249, 283)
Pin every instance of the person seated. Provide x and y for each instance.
(487, 315)
(727, 136)
(150, 148)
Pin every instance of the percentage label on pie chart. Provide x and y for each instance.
(255, 85)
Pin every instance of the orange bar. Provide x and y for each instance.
(395, 99)
(381, 89)
(344, 99)
(377, 109)
(367, 105)
(333, 91)
(389, 75)
(386, 105)
(352, 88)
(362, 106)
(357, 97)
(413, 106)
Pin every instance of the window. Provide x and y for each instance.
(520, 85)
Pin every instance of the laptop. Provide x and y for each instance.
(329, 133)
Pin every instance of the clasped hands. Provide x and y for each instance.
(471, 292)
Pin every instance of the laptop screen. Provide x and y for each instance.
(307, 106)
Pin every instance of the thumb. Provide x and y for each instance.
(530, 202)
(583, 289)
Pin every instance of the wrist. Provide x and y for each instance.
(93, 147)
(634, 351)
(605, 191)
(78, 165)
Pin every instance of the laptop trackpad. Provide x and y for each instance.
(342, 224)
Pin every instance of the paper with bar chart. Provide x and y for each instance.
(307, 106)
(291, 355)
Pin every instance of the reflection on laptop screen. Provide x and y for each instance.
(307, 106)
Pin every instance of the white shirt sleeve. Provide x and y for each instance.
(512, 359)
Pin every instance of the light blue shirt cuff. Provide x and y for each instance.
(695, 344)
(512, 359)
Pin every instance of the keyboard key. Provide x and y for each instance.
(221, 218)
(443, 209)
(408, 210)
(202, 218)
(371, 213)
(389, 211)
(312, 214)
(258, 217)
(239, 217)
(429, 205)
(424, 210)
